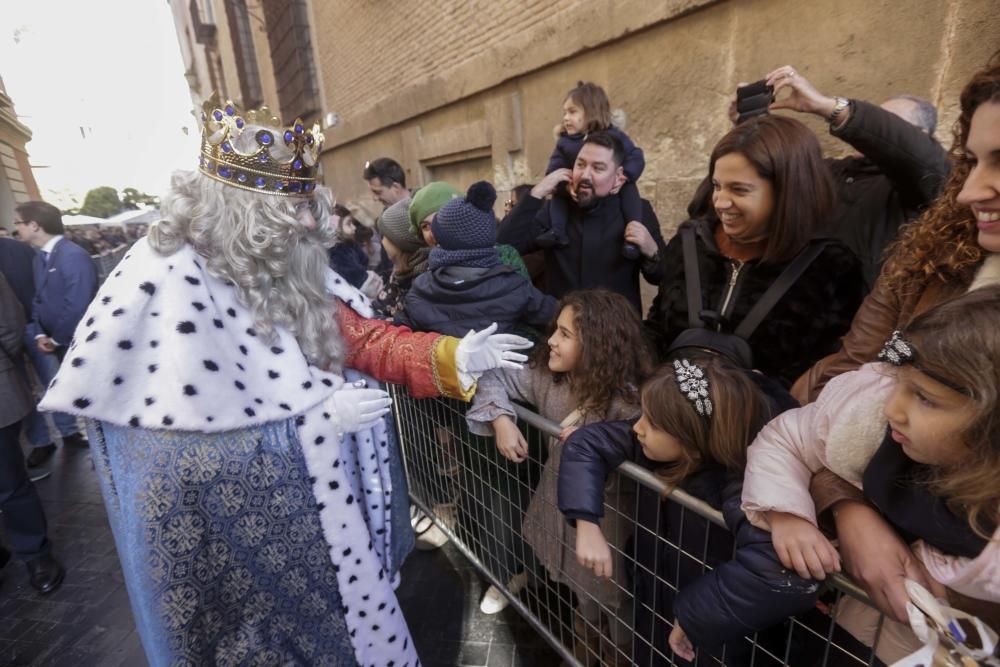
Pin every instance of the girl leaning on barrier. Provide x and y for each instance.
(699, 414)
(590, 371)
(952, 248)
(919, 435)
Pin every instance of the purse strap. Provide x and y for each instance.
(782, 284)
(692, 278)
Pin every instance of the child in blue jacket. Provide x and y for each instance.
(587, 109)
(699, 414)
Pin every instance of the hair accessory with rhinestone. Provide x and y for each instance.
(258, 170)
(693, 383)
(897, 350)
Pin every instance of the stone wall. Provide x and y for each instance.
(472, 89)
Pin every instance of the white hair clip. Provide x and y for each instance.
(693, 383)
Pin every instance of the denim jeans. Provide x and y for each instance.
(46, 366)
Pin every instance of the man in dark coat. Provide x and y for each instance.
(595, 227)
(17, 266)
(23, 517)
(65, 284)
(898, 170)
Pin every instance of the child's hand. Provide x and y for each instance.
(679, 642)
(547, 185)
(566, 432)
(510, 442)
(802, 547)
(592, 550)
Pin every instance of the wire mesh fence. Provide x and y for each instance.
(502, 516)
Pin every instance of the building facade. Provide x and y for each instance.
(17, 183)
(467, 89)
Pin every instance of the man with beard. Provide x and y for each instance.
(246, 481)
(595, 226)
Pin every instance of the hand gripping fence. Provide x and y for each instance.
(479, 499)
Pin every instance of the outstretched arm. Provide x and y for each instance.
(423, 362)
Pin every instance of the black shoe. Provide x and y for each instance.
(4, 557)
(46, 573)
(40, 455)
(76, 440)
(631, 251)
(550, 239)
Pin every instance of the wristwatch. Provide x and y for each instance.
(838, 108)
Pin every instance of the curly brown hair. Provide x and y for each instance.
(942, 243)
(959, 340)
(615, 357)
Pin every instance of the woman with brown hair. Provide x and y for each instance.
(771, 196)
(952, 249)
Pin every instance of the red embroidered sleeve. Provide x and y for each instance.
(423, 362)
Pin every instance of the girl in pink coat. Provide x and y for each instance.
(919, 435)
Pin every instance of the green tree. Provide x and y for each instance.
(102, 202)
(132, 199)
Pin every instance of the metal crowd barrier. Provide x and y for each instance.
(478, 498)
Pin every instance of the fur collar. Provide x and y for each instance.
(166, 345)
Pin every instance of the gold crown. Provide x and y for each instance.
(259, 170)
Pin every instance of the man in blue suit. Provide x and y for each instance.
(65, 284)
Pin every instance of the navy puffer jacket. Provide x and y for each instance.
(747, 589)
(454, 299)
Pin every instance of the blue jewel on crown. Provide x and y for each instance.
(242, 178)
(261, 181)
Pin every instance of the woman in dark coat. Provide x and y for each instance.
(771, 197)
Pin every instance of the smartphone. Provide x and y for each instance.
(753, 99)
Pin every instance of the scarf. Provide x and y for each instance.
(484, 258)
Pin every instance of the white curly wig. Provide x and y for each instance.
(256, 242)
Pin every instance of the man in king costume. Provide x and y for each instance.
(245, 479)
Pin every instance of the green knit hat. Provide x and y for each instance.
(429, 199)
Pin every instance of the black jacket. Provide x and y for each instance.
(594, 255)
(803, 327)
(16, 264)
(350, 262)
(901, 173)
(454, 299)
(748, 590)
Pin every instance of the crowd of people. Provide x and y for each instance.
(793, 270)
(821, 360)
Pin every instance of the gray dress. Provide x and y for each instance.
(545, 529)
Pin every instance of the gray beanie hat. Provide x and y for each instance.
(394, 224)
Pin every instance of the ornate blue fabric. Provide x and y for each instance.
(221, 546)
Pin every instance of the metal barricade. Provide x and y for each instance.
(479, 499)
(108, 261)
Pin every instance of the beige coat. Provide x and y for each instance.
(545, 529)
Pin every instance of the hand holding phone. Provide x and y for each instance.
(753, 99)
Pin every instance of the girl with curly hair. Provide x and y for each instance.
(952, 249)
(590, 371)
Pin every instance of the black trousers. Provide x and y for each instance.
(23, 516)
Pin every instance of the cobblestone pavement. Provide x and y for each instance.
(88, 621)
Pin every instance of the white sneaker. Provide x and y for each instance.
(429, 536)
(493, 601)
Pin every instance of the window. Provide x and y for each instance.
(292, 56)
(246, 56)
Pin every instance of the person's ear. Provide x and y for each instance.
(620, 180)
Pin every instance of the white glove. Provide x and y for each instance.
(482, 351)
(357, 408)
